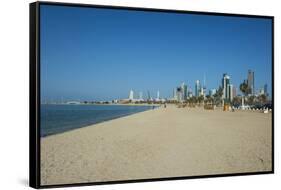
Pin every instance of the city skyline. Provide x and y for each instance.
(95, 60)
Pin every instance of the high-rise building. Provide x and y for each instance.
(131, 95)
(179, 94)
(201, 92)
(225, 82)
(158, 95)
(251, 82)
(265, 89)
(204, 87)
(229, 92)
(189, 93)
(175, 94)
(234, 92)
(197, 88)
(184, 91)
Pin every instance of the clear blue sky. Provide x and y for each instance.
(100, 54)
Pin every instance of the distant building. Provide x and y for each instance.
(197, 88)
(251, 82)
(184, 91)
(131, 95)
(149, 98)
(201, 91)
(189, 93)
(175, 97)
(204, 87)
(225, 83)
(234, 92)
(261, 92)
(230, 92)
(158, 96)
(212, 92)
(179, 94)
(265, 89)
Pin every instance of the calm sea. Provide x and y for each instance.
(60, 118)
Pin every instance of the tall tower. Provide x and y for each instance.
(230, 92)
(234, 92)
(251, 82)
(131, 95)
(204, 86)
(158, 95)
(184, 91)
(175, 94)
(179, 94)
(197, 88)
(265, 90)
(225, 83)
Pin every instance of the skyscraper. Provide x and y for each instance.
(234, 92)
(179, 94)
(175, 97)
(184, 90)
(265, 89)
(229, 92)
(225, 82)
(158, 95)
(197, 88)
(251, 82)
(204, 87)
(131, 95)
(189, 93)
(201, 91)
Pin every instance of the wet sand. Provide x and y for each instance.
(159, 143)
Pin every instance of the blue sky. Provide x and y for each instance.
(100, 54)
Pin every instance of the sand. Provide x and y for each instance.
(160, 143)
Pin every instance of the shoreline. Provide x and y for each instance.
(108, 104)
(159, 143)
(92, 125)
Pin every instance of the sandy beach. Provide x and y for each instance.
(159, 143)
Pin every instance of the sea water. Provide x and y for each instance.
(60, 118)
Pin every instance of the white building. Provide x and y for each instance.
(225, 83)
(175, 97)
(131, 95)
(158, 96)
(213, 92)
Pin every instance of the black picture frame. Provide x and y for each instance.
(34, 92)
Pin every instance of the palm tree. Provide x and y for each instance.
(218, 96)
(209, 99)
(200, 99)
(262, 98)
(236, 100)
(251, 100)
(244, 89)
